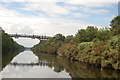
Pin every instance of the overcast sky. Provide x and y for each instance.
(50, 17)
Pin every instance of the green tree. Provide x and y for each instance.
(115, 25)
(59, 37)
(86, 35)
(8, 44)
(91, 33)
(68, 38)
(81, 36)
(104, 34)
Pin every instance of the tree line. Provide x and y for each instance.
(8, 44)
(99, 47)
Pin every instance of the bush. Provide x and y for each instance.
(83, 45)
(113, 42)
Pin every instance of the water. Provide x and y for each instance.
(39, 65)
(30, 71)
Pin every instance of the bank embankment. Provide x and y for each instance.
(99, 47)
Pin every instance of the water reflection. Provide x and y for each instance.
(77, 69)
(25, 57)
(7, 58)
(27, 65)
(40, 65)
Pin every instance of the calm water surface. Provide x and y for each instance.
(23, 70)
(29, 65)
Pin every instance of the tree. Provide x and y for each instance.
(86, 35)
(68, 38)
(59, 37)
(80, 36)
(115, 25)
(91, 32)
(8, 44)
(104, 34)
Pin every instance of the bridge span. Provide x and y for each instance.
(40, 63)
(30, 36)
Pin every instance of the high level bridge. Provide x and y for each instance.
(30, 36)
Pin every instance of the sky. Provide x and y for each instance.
(50, 17)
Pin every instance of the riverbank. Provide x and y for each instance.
(100, 54)
(75, 69)
(99, 47)
(43, 65)
(8, 44)
(8, 48)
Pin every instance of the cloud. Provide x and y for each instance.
(19, 23)
(49, 25)
(50, 17)
(8, 13)
(21, 28)
(86, 9)
(70, 1)
(82, 2)
(79, 15)
(51, 9)
(43, 26)
(94, 11)
(33, 0)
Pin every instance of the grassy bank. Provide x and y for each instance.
(99, 47)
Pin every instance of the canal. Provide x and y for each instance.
(27, 64)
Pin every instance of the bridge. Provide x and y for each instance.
(41, 63)
(30, 36)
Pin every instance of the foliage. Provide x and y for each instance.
(114, 41)
(86, 35)
(115, 25)
(59, 37)
(91, 32)
(80, 36)
(99, 47)
(67, 50)
(68, 38)
(84, 45)
(104, 34)
(51, 45)
(8, 44)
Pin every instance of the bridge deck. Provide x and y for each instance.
(29, 64)
(30, 36)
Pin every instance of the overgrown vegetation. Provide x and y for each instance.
(8, 44)
(99, 47)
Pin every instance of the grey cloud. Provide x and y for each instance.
(21, 28)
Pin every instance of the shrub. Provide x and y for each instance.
(113, 42)
(83, 45)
